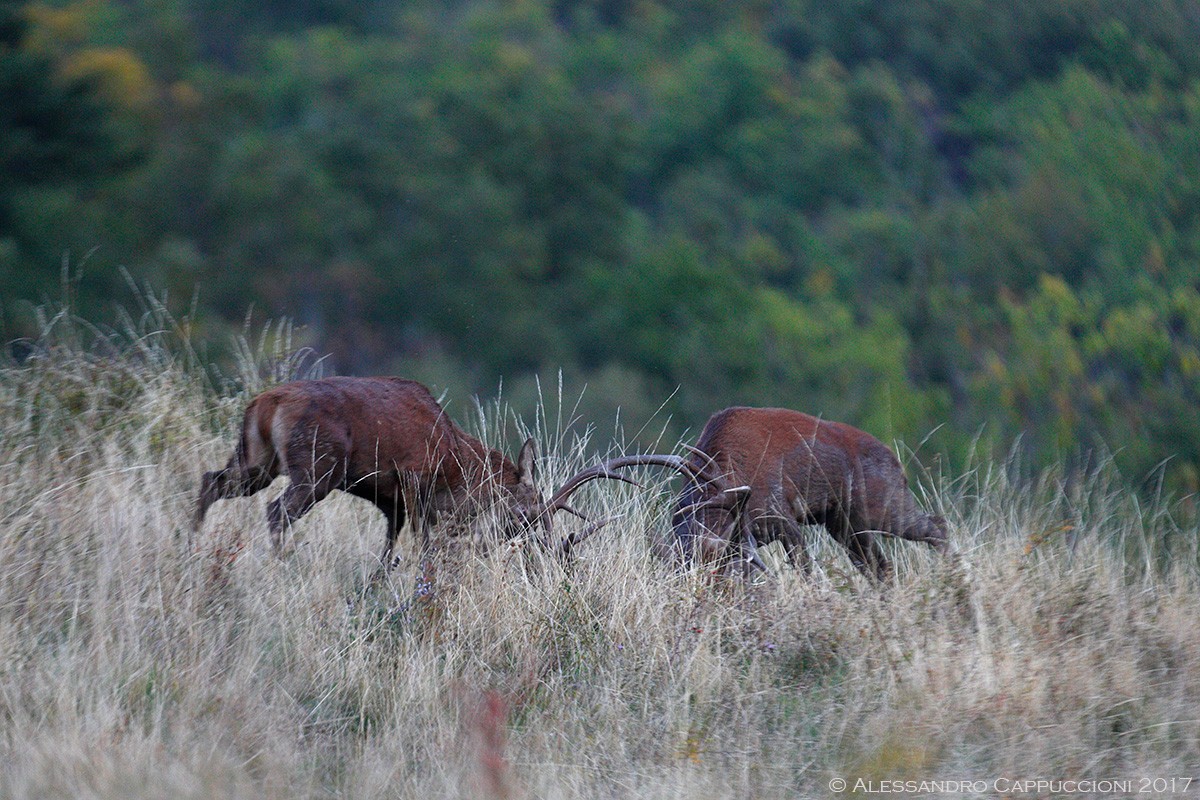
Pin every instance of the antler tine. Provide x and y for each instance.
(729, 498)
(568, 543)
(574, 512)
(709, 461)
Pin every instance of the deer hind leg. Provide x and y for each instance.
(929, 529)
(914, 525)
(310, 485)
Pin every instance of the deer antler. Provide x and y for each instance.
(698, 475)
(729, 499)
(607, 470)
(710, 463)
(558, 502)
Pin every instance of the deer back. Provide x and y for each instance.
(374, 426)
(795, 462)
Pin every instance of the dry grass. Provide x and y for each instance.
(1061, 643)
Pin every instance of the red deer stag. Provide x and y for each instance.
(760, 474)
(388, 441)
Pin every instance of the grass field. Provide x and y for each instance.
(137, 661)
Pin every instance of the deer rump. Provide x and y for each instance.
(758, 475)
(386, 440)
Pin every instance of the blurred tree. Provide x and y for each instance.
(62, 127)
(1072, 375)
(1083, 189)
(896, 213)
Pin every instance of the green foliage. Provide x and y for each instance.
(1074, 374)
(936, 214)
(65, 129)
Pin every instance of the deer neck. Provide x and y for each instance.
(485, 466)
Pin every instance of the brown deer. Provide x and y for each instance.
(388, 441)
(760, 474)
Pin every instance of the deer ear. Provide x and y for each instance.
(526, 467)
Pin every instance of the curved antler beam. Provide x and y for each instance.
(608, 470)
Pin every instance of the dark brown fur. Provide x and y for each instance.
(382, 439)
(774, 470)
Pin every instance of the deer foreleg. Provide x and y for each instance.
(792, 536)
(232, 481)
(864, 551)
(747, 546)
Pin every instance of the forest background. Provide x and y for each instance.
(958, 223)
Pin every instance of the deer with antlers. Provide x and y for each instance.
(758, 475)
(388, 441)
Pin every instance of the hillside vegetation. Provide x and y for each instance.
(140, 661)
(970, 221)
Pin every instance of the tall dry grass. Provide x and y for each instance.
(137, 661)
